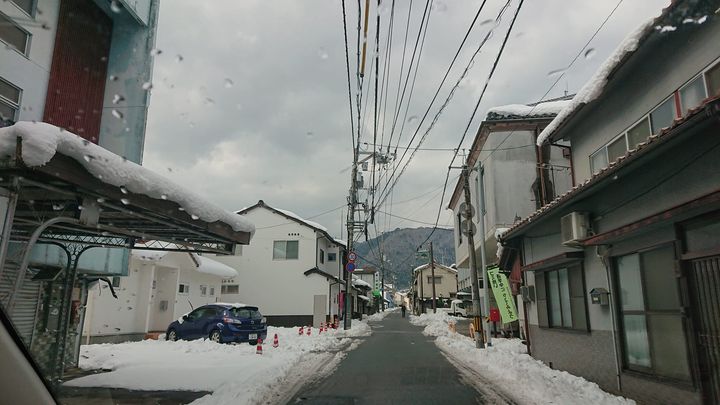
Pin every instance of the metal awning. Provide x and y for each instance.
(113, 217)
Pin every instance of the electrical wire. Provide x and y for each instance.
(347, 66)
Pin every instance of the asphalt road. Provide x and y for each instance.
(397, 364)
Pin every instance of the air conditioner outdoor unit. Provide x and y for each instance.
(573, 228)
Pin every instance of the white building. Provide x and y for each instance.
(446, 283)
(159, 288)
(292, 270)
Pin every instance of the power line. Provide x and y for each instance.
(310, 217)
(347, 66)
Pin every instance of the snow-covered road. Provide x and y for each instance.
(234, 373)
(512, 372)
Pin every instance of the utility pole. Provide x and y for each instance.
(432, 274)
(468, 214)
(422, 293)
(483, 259)
(350, 223)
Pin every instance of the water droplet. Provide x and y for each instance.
(164, 196)
(556, 72)
(169, 169)
(590, 53)
(147, 86)
(113, 78)
(310, 134)
(181, 209)
(118, 99)
(323, 54)
(117, 114)
(115, 6)
(58, 207)
(486, 22)
(101, 200)
(155, 52)
(179, 58)
(123, 189)
(228, 83)
(125, 201)
(209, 101)
(195, 217)
(412, 119)
(104, 233)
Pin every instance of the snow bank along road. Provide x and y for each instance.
(509, 371)
(233, 373)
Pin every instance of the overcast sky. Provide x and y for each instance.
(250, 97)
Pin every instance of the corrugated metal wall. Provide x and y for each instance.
(27, 299)
(79, 69)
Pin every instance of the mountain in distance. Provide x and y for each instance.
(399, 248)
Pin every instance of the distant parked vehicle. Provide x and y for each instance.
(220, 322)
(457, 308)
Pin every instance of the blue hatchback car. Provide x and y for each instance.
(220, 322)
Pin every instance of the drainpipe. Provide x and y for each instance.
(604, 258)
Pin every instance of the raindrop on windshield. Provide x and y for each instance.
(58, 207)
(117, 114)
(101, 200)
(556, 72)
(118, 99)
(125, 201)
(195, 217)
(486, 22)
(115, 6)
(164, 196)
(123, 189)
(155, 52)
(209, 101)
(179, 58)
(590, 53)
(412, 119)
(228, 83)
(113, 78)
(147, 86)
(322, 53)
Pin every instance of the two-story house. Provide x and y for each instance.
(517, 177)
(292, 270)
(622, 272)
(446, 286)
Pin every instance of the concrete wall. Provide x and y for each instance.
(683, 54)
(32, 72)
(277, 287)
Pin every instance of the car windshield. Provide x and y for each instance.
(527, 210)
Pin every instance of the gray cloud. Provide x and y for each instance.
(280, 132)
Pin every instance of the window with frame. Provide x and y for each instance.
(285, 250)
(663, 115)
(203, 290)
(438, 279)
(13, 35)
(692, 94)
(9, 100)
(599, 160)
(183, 288)
(639, 133)
(651, 320)
(712, 80)
(332, 257)
(616, 148)
(230, 289)
(28, 6)
(560, 297)
(322, 256)
(212, 291)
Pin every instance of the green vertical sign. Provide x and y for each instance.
(503, 296)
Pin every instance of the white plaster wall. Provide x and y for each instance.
(31, 73)
(447, 285)
(277, 287)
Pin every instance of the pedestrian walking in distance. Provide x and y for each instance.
(402, 309)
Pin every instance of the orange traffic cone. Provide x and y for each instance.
(259, 347)
(301, 331)
(275, 341)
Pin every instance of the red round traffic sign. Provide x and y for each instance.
(352, 256)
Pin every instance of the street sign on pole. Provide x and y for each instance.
(467, 226)
(463, 210)
(352, 256)
(350, 267)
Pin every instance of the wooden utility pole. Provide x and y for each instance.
(468, 215)
(432, 274)
(422, 293)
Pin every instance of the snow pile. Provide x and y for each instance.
(360, 283)
(595, 86)
(379, 316)
(506, 363)
(235, 373)
(527, 111)
(301, 219)
(41, 141)
(209, 266)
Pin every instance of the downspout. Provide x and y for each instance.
(604, 258)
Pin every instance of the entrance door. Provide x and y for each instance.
(705, 285)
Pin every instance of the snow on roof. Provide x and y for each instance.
(499, 232)
(542, 109)
(301, 219)
(361, 283)
(210, 266)
(595, 86)
(363, 297)
(41, 141)
(148, 255)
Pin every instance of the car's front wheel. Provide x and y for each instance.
(215, 336)
(171, 335)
